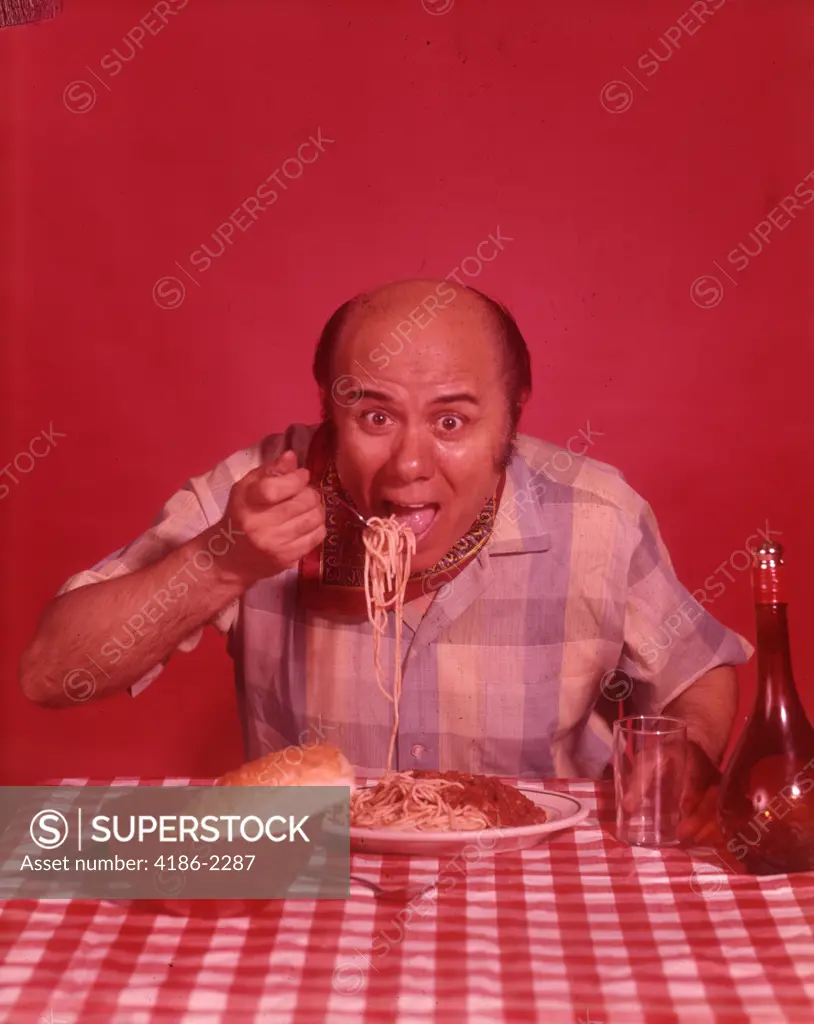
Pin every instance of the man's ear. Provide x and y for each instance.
(325, 403)
(519, 407)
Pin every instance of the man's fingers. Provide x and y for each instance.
(293, 551)
(310, 540)
(286, 463)
(653, 769)
(267, 490)
(299, 525)
(699, 782)
(639, 782)
(282, 466)
(282, 512)
(701, 822)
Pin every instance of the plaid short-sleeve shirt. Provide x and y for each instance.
(503, 669)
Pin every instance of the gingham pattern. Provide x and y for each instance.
(580, 929)
(502, 672)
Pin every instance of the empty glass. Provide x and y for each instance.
(649, 758)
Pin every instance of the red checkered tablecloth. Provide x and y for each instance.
(579, 929)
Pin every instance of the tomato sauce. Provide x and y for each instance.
(502, 804)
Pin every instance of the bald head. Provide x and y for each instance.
(399, 326)
(419, 301)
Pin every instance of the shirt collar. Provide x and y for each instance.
(519, 524)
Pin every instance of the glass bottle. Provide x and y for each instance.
(766, 798)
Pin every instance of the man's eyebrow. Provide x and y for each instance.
(458, 396)
(380, 396)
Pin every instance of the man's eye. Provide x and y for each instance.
(375, 418)
(449, 423)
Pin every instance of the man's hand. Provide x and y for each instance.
(699, 797)
(278, 517)
(699, 788)
(708, 707)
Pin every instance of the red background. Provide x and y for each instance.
(445, 126)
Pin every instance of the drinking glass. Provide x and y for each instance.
(649, 758)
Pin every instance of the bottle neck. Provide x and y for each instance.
(775, 682)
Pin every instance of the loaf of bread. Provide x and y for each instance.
(320, 765)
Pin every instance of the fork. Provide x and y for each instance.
(347, 505)
(400, 894)
(324, 492)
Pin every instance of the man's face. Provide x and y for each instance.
(425, 439)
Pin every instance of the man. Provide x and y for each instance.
(534, 579)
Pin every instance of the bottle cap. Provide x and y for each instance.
(768, 573)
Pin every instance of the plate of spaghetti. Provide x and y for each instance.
(432, 812)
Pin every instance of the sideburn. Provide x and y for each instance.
(507, 453)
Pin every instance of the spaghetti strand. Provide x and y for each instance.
(389, 547)
(402, 801)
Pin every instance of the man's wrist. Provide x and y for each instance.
(695, 741)
(708, 708)
(214, 553)
(709, 746)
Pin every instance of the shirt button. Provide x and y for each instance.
(417, 750)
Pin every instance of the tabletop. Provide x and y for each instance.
(580, 929)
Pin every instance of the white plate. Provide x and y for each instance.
(563, 812)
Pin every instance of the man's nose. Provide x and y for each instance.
(413, 457)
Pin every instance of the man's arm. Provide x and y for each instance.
(670, 637)
(709, 706)
(272, 520)
(73, 655)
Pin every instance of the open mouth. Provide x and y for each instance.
(419, 518)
